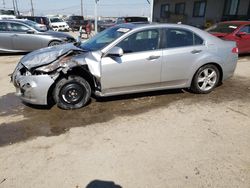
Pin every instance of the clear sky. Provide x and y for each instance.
(105, 7)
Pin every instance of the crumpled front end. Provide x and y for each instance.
(32, 89)
(37, 72)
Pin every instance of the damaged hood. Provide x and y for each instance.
(46, 56)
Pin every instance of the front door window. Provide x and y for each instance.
(142, 41)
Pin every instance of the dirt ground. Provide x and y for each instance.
(153, 140)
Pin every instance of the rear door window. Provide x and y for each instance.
(175, 38)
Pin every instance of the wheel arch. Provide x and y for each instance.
(218, 66)
(81, 71)
(54, 40)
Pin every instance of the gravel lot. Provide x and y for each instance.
(152, 140)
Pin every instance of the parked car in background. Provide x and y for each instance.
(75, 22)
(25, 36)
(59, 24)
(238, 31)
(7, 17)
(104, 24)
(7, 14)
(122, 20)
(38, 19)
(127, 58)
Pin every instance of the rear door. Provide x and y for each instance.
(181, 50)
(22, 40)
(5, 38)
(243, 41)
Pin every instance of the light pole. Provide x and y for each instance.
(152, 11)
(17, 11)
(32, 8)
(14, 6)
(81, 8)
(3, 3)
(96, 16)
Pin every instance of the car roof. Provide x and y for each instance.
(134, 25)
(203, 34)
(237, 22)
(32, 17)
(14, 20)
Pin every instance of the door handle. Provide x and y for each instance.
(196, 51)
(153, 57)
(15, 35)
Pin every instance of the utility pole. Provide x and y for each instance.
(3, 4)
(152, 11)
(96, 16)
(14, 7)
(17, 11)
(32, 8)
(81, 8)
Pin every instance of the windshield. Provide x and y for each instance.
(104, 38)
(223, 28)
(54, 20)
(35, 26)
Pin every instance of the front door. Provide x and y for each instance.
(138, 68)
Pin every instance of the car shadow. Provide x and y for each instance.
(14, 54)
(102, 184)
(138, 95)
(23, 122)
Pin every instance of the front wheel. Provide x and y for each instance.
(205, 79)
(72, 93)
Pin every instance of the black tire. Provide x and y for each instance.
(54, 43)
(212, 82)
(72, 93)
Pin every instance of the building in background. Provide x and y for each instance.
(200, 13)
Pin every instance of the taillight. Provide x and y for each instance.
(235, 50)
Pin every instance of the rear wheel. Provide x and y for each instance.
(72, 93)
(205, 79)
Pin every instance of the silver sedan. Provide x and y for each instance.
(25, 36)
(128, 58)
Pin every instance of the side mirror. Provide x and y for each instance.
(30, 31)
(241, 34)
(115, 52)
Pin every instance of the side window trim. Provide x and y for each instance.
(164, 32)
